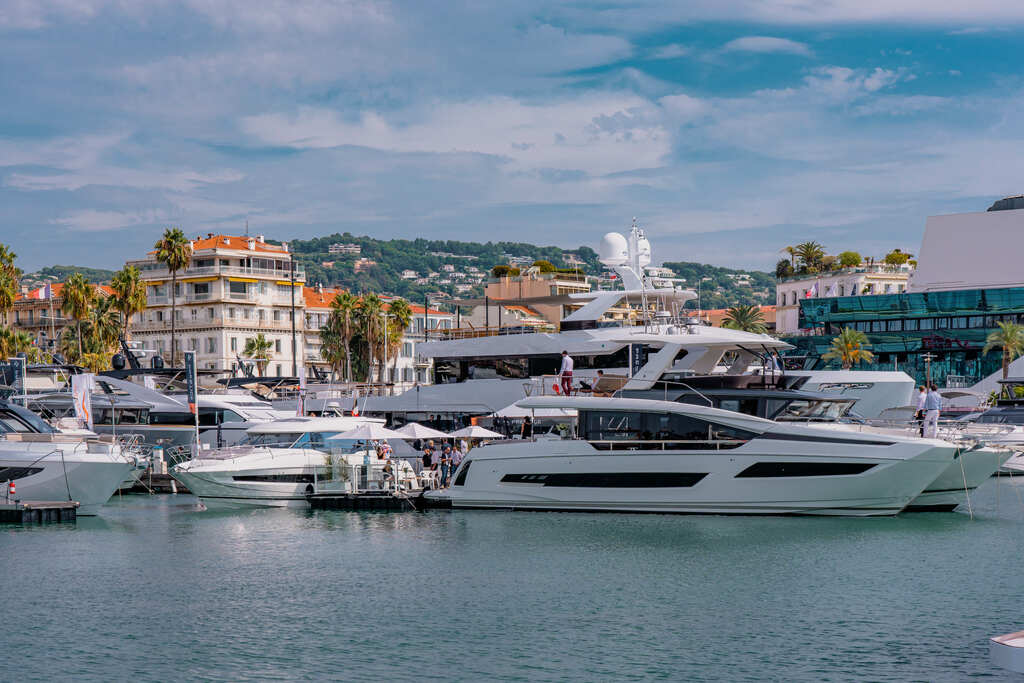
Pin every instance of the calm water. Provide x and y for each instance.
(157, 590)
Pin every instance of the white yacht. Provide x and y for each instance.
(280, 462)
(47, 465)
(637, 455)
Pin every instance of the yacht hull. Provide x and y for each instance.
(886, 478)
(260, 477)
(91, 482)
(959, 479)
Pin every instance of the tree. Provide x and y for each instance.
(371, 327)
(544, 266)
(810, 255)
(346, 306)
(504, 271)
(77, 300)
(399, 319)
(783, 269)
(9, 276)
(174, 250)
(1010, 339)
(13, 342)
(746, 318)
(258, 348)
(897, 257)
(850, 259)
(849, 347)
(791, 251)
(129, 294)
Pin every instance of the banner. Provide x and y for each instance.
(81, 394)
(190, 378)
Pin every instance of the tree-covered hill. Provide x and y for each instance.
(724, 287)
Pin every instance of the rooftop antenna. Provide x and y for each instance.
(246, 227)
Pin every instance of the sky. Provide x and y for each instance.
(728, 128)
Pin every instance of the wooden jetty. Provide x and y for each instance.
(38, 512)
(379, 501)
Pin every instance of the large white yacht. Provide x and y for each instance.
(280, 462)
(47, 465)
(637, 455)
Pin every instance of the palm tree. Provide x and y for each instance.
(1010, 338)
(258, 348)
(13, 342)
(129, 294)
(9, 276)
(791, 251)
(810, 255)
(174, 250)
(399, 319)
(333, 347)
(849, 347)
(746, 318)
(372, 328)
(104, 325)
(344, 309)
(77, 299)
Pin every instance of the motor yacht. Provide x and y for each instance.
(280, 462)
(48, 465)
(641, 455)
(786, 401)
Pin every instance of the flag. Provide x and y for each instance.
(302, 391)
(813, 291)
(191, 380)
(355, 403)
(831, 291)
(81, 395)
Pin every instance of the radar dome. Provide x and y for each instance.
(614, 250)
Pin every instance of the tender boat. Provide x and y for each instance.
(637, 455)
(279, 463)
(1007, 651)
(47, 465)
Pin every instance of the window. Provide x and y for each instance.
(159, 316)
(792, 298)
(246, 313)
(278, 370)
(195, 314)
(201, 288)
(234, 343)
(888, 287)
(262, 315)
(842, 290)
(894, 325)
(878, 326)
(211, 345)
(636, 428)
(177, 289)
(231, 312)
(277, 346)
(277, 315)
(159, 290)
(911, 325)
(209, 313)
(177, 315)
(193, 344)
(238, 288)
(958, 323)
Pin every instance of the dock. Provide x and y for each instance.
(157, 483)
(377, 501)
(38, 512)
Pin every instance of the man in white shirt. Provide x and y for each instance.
(566, 373)
(922, 394)
(932, 405)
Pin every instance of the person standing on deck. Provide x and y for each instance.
(566, 373)
(922, 394)
(932, 405)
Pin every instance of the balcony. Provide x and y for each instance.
(278, 274)
(218, 322)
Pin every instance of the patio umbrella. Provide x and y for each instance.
(415, 430)
(476, 432)
(371, 431)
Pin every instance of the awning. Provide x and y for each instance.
(155, 283)
(242, 279)
(289, 282)
(201, 279)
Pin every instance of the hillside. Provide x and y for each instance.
(461, 268)
(61, 273)
(725, 287)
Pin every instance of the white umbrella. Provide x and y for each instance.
(414, 430)
(477, 432)
(370, 431)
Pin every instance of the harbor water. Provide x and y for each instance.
(157, 590)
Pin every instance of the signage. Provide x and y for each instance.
(637, 358)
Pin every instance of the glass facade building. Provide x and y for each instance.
(950, 326)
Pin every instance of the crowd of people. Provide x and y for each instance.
(443, 460)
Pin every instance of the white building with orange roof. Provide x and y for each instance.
(37, 311)
(234, 288)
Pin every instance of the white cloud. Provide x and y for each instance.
(671, 51)
(180, 181)
(91, 220)
(597, 133)
(767, 45)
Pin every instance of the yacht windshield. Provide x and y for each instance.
(19, 420)
(824, 411)
(317, 440)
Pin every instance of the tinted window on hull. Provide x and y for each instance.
(623, 480)
(294, 478)
(10, 473)
(804, 469)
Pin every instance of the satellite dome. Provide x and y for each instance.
(614, 250)
(643, 248)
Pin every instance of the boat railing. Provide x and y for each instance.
(664, 444)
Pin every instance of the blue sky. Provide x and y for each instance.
(730, 129)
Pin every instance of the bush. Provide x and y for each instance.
(783, 268)
(544, 266)
(504, 271)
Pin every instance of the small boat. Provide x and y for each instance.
(1007, 651)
